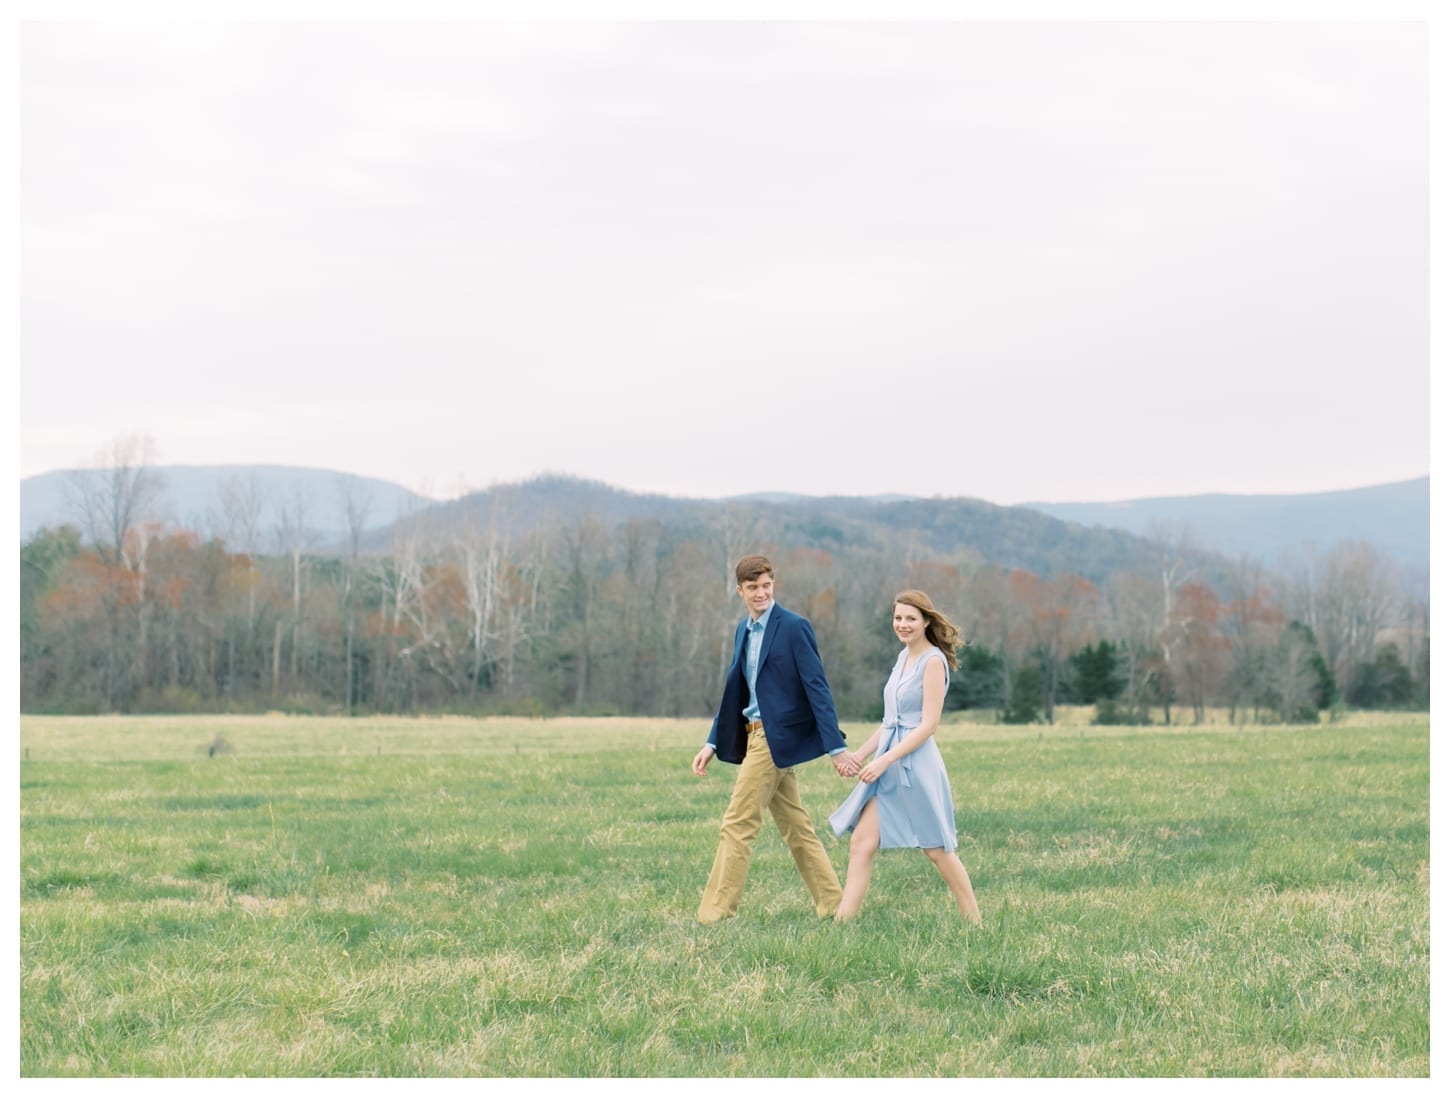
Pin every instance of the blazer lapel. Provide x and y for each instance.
(741, 643)
(771, 628)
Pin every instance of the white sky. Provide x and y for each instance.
(1014, 261)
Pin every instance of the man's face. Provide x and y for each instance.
(757, 593)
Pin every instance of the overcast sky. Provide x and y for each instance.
(1035, 261)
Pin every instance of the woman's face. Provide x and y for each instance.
(908, 622)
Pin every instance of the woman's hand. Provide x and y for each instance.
(874, 769)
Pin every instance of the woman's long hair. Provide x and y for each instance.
(940, 629)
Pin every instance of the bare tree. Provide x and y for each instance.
(583, 545)
(1202, 651)
(408, 606)
(1291, 679)
(631, 593)
(520, 595)
(294, 539)
(986, 616)
(690, 608)
(1057, 615)
(120, 491)
(1135, 603)
(737, 530)
(1353, 601)
(1251, 625)
(354, 500)
(115, 503)
(1173, 572)
(240, 525)
(480, 552)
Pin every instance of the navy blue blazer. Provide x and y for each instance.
(791, 688)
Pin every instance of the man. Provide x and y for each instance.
(776, 713)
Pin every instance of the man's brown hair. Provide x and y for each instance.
(752, 567)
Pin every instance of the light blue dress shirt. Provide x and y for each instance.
(754, 634)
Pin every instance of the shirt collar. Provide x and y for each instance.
(764, 617)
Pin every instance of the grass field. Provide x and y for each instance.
(515, 898)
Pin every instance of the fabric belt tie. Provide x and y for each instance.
(893, 737)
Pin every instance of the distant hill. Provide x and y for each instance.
(1013, 537)
(546, 501)
(1395, 518)
(1092, 539)
(796, 497)
(192, 498)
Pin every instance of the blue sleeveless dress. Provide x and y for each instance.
(913, 797)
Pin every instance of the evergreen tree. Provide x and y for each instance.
(1299, 683)
(1383, 683)
(1326, 691)
(977, 684)
(1025, 705)
(1096, 676)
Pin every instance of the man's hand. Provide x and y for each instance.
(846, 764)
(702, 760)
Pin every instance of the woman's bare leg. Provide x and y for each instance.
(864, 841)
(955, 874)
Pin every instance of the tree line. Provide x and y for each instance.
(123, 613)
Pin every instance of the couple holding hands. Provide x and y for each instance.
(776, 713)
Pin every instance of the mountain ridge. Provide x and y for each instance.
(1394, 517)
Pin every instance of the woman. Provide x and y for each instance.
(904, 799)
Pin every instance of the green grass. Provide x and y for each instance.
(516, 898)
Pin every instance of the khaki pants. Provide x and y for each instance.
(760, 785)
